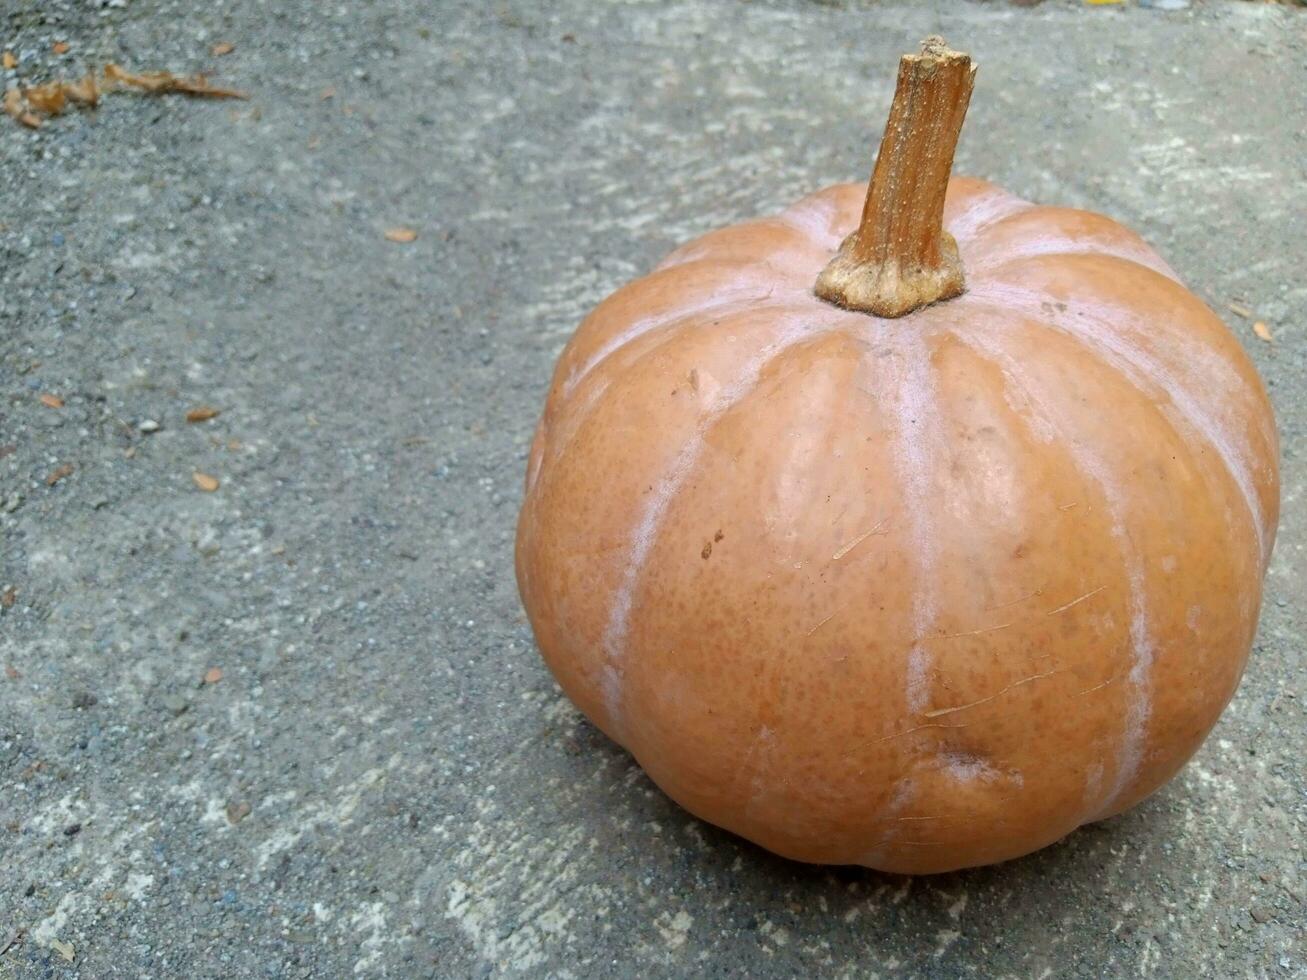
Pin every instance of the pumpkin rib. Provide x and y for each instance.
(1182, 325)
(1097, 469)
(646, 530)
(820, 215)
(988, 256)
(670, 320)
(980, 208)
(578, 412)
(913, 405)
(1144, 371)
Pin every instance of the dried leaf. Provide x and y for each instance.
(12, 672)
(213, 675)
(63, 949)
(49, 99)
(205, 482)
(401, 235)
(60, 47)
(8, 597)
(1241, 310)
(51, 401)
(84, 92)
(222, 48)
(31, 120)
(1262, 330)
(163, 81)
(236, 812)
(58, 474)
(202, 413)
(13, 102)
(327, 93)
(8, 61)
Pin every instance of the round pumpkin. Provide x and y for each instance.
(919, 590)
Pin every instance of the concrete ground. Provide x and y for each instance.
(384, 780)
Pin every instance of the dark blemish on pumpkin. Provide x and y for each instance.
(719, 535)
(707, 551)
(694, 380)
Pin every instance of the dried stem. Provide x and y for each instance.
(901, 258)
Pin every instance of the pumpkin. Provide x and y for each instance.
(912, 527)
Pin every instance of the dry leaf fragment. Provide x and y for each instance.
(63, 949)
(222, 48)
(236, 812)
(327, 93)
(12, 672)
(49, 99)
(1262, 330)
(58, 474)
(8, 60)
(202, 413)
(163, 81)
(213, 675)
(84, 92)
(60, 47)
(1240, 310)
(205, 482)
(13, 102)
(401, 235)
(8, 597)
(51, 401)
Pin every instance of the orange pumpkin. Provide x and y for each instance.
(923, 568)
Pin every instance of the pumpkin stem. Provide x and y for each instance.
(901, 258)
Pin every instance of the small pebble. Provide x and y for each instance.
(149, 425)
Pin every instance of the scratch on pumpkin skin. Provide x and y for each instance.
(1096, 687)
(987, 629)
(878, 529)
(886, 738)
(938, 712)
(1076, 602)
(1024, 598)
(824, 621)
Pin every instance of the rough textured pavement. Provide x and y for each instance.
(385, 781)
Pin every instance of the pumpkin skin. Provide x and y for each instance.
(916, 594)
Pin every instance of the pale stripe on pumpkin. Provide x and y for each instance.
(1199, 411)
(761, 289)
(988, 260)
(905, 390)
(982, 210)
(1045, 422)
(660, 498)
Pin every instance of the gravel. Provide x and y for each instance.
(384, 781)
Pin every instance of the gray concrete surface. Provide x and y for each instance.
(385, 781)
